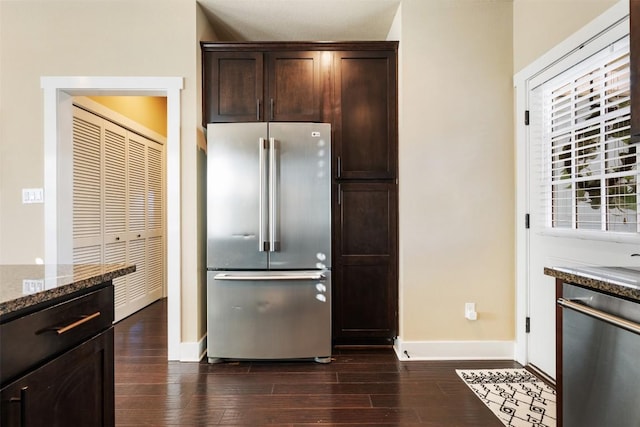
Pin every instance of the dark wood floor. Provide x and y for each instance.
(360, 387)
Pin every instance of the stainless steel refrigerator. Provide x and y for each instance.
(269, 241)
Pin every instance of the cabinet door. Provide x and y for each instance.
(365, 291)
(294, 87)
(233, 87)
(75, 389)
(365, 120)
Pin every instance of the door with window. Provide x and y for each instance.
(583, 177)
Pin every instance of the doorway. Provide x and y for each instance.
(118, 192)
(562, 221)
(58, 113)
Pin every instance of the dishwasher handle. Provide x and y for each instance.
(601, 315)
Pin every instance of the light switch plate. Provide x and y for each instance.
(32, 286)
(32, 195)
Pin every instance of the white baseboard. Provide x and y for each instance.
(454, 350)
(193, 351)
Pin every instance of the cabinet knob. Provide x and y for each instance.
(117, 238)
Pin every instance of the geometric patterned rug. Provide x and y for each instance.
(516, 396)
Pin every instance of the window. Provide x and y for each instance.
(591, 175)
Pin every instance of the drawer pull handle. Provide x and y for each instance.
(77, 323)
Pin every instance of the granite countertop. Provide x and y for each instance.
(619, 281)
(24, 286)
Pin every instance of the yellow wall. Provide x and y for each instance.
(149, 111)
(456, 136)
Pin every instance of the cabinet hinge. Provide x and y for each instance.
(527, 325)
(526, 117)
(527, 221)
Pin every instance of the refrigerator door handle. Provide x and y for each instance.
(274, 238)
(262, 214)
(245, 277)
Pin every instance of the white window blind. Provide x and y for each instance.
(590, 166)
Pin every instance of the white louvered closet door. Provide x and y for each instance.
(136, 167)
(118, 207)
(87, 188)
(155, 220)
(115, 204)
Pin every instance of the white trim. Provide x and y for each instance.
(523, 81)
(174, 225)
(454, 350)
(57, 93)
(522, 234)
(193, 351)
(596, 235)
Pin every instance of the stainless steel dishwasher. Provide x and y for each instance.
(600, 359)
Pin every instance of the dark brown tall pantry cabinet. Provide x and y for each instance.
(353, 86)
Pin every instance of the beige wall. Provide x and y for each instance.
(539, 25)
(456, 136)
(105, 38)
(204, 32)
(456, 170)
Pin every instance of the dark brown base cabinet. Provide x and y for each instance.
(365, 297)
(353, 86)
(75, 389)
(58, 364)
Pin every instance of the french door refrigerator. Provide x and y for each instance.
(269, 241)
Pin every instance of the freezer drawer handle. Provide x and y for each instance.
(601, 315)
(314, 276)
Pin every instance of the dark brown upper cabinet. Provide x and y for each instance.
(233, 86)
(365, 119)
(294, 87)
(254, 86)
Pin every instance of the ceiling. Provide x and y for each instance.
(300, 20)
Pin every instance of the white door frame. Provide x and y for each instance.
(521, 82)
(58, 179)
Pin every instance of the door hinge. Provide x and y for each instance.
(527, 325)
(526, 117)
(527, 221)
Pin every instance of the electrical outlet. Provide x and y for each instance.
(470, 311)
